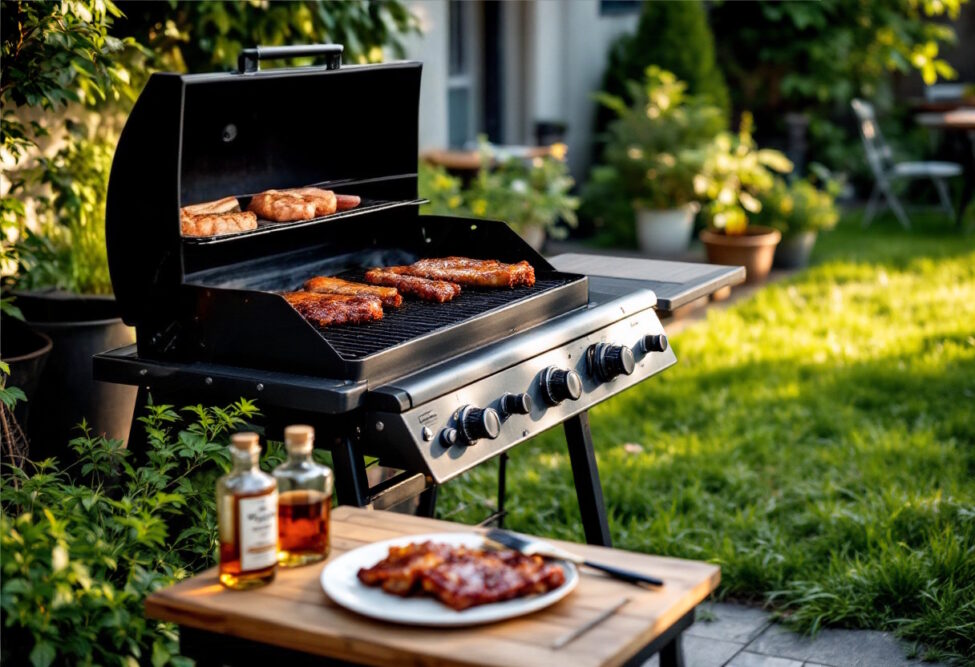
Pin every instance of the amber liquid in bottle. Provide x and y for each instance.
(304, 503)
(247, 517)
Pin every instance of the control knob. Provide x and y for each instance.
(608, 362)
(515, 404)
(559, 384)
(654, 343)
(476, 423)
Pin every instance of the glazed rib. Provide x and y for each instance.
(429, 290)
(472, 272)
(331, 285)
(331, 309)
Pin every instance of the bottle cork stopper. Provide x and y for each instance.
(299, 435)
(245, 440)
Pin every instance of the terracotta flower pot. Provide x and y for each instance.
(754, 250)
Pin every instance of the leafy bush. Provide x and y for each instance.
(733, 175)
(799, 206)
(82, 545)
(674, 36)
(523, 193)
(654, 143)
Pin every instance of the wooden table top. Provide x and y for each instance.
(461, 160)
(293, 612)
(959, 119)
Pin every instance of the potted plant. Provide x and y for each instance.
(654, 146)
(733, 175)
(532, 196)
(799, 210)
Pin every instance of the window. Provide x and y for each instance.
(461, 73)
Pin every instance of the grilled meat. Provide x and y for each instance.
(429, 290)
(214, 224)
(471, 272)
(325, 201)
(279, 206)
(330, 309)
(345, 202)
(215, 217)
(332, 285)
(461, 577)
(225, 205)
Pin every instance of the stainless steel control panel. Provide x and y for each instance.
(459, 430)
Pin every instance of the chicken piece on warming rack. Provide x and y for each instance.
(280, 206)
(332, 285)
(429, 290)
(471, 272)
(331, 309)
(214, 218)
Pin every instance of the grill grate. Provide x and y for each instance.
(416, 318)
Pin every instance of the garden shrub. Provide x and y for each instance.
(82, 545)
(674, 36)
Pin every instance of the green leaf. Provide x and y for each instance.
(42, 654)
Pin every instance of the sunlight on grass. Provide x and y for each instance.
(815, 440)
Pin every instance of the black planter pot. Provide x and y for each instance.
(79, 326)
(26, 351)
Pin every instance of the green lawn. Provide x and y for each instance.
(816, 440)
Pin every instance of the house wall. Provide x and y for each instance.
(554, 54)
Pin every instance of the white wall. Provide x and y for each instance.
(554, 54)
(571, 45)
(431, 49)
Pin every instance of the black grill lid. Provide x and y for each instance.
(199, 137)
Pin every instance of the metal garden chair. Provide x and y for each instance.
(886, 171)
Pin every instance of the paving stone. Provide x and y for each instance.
(749, 659)
(703, 652)
(840, 648)
(732, 622)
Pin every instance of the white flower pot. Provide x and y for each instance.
(665, 232)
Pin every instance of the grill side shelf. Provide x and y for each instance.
(268, 227)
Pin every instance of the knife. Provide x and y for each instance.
(532, 547)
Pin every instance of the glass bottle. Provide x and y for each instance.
(247, 516)
(304, 503)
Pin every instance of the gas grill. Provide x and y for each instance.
(432, 389)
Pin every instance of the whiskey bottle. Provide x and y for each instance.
(304, 503)
(247, 516)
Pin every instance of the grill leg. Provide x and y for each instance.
(586, 475)
(351, 483)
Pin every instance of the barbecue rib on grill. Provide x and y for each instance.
(331, 285)
(461, 577)
(471, 272)
(330, 309)
(215, 217)
(429, 290)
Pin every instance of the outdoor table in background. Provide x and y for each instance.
(470, 160)
(962, 121)
(292, 621)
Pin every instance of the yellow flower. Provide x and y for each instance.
(666, 159)
(558, 151)
(786, 205)
(634, 152)
(454, 201)
(479, 207)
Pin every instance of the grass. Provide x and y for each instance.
(816, 440)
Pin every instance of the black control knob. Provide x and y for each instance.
(516, 404)
(608, 362)
(475, 423)
(654, 343)
(560, 384)
(448, 437)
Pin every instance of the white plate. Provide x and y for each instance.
(341, 584)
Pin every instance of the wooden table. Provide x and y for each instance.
(461, 160)
(291, 621)
(961, 121)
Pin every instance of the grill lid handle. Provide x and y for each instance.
(249, 59)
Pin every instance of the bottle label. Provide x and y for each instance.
(258, 519)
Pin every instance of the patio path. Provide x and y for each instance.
(741, 636)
